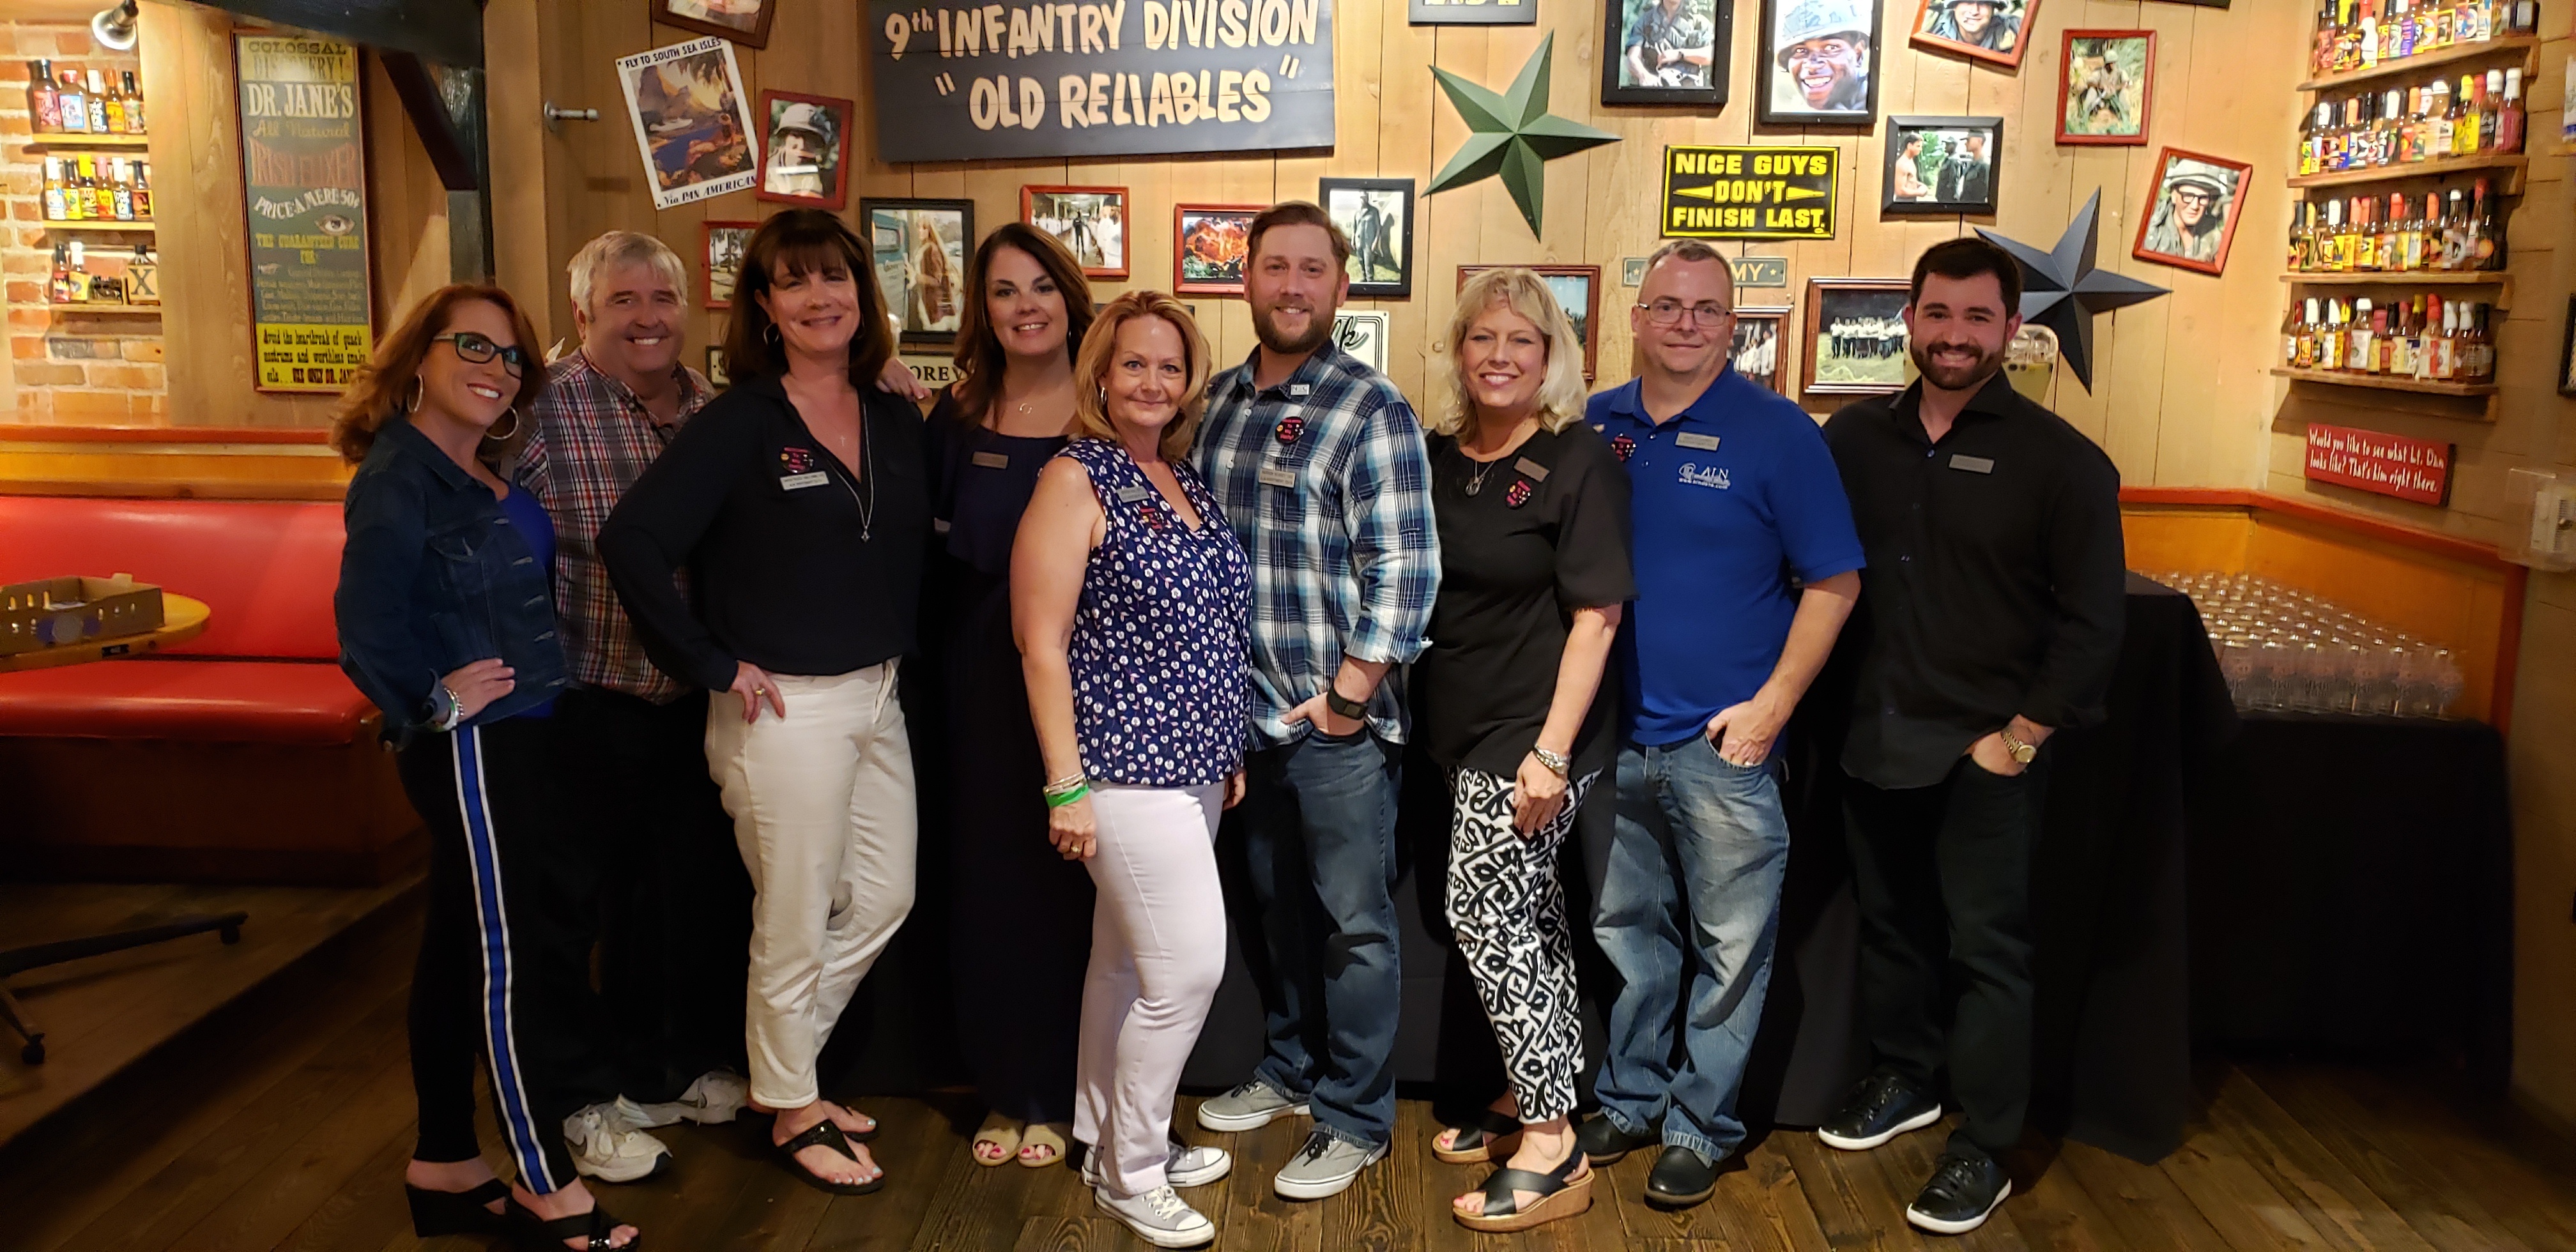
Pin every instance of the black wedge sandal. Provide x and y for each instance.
(824, 1134)
(539, 1234)
(1494, 1137)
(1560, 1194)
(435, 1213)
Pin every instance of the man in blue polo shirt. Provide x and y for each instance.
(1732, 493)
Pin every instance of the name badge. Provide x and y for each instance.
(1688, 439)
(1537, 473)
(1130, 495)
(1972, 464)
(939, 525)
(1278, 476)
(991, 460)
(1298, 389)
(793, 482)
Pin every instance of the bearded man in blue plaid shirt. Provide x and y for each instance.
(1318, 464)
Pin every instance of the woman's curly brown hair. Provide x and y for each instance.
(382, 390)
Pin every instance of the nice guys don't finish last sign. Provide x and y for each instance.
(1127, 77)
(2389, 465)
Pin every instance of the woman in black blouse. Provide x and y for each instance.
(1021, 915)
(1533, 518)
(795, 503)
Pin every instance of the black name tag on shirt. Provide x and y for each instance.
(1972, 464)
(1537, 472)
(992, 460)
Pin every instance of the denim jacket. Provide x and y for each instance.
(432, 577)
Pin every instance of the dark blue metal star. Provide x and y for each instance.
(2062, 291)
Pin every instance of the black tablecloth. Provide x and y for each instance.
(2352, 890)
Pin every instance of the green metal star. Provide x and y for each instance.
(1514, 135)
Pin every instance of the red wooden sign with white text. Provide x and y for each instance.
(2390, 465)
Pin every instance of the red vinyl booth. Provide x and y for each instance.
(243, 755)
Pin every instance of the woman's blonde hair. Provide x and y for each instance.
(1560, 395)
(1091, 370)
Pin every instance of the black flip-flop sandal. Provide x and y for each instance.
(824, 1134)
(1557, 1198)
(537, 1234)
(1494, 1136)
(864, 1136)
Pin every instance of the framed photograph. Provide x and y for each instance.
(1578, 291)
(919, 250)
(1377, 213)
(1472, 12)
(691, 121)
(745, 22)
(1756, 351)
(1819, 62)
(805, 151)
(1668, 51)
(1941, 165)
(722, 253)
(716, 376)
(1091, 223)
(1991, 31)
(2191, 217)
(1363, 335)
(1855, 337)
(1209, 245)
(2567, 352)
(2110, 82)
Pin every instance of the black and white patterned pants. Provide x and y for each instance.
(1507, 909)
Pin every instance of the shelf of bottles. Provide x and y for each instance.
(2431, 256)
(98, 192)
(129, 284)
(67, 107)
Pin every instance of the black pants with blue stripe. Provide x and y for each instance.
(504, 955)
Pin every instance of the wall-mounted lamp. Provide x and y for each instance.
(113, 28)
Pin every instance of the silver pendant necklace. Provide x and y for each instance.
(1477, 470)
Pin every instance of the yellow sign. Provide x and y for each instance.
(304, 190)
(1749, 193)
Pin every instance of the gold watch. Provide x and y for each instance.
(2021, 753)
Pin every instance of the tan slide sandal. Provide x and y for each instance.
(1045, 1138)
(997, 1141)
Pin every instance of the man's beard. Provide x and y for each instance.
(1318, 329)
(1960, 378)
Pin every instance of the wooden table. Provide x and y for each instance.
(182, 619)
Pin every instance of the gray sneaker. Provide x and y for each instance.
(1250, 1106)
(1324, 1167)
(1159, 1217)
(1185, 1167)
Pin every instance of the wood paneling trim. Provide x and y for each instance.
(22, 432)
(2450, 546)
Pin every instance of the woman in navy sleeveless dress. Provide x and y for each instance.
(1131, 601)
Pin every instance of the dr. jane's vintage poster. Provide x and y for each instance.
(304, 199)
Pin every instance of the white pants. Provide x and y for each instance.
(1157, 954)
(822, 807)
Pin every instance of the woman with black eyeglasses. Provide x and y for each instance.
(446, 622)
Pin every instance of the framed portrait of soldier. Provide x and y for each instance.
(2110, 85)
(1942, 165)
(1818, 62)
(1992, 31)
(1666, 51)
(1091, 223)
(1855, 337)
(2190, 217)
(1756, 350)
(805, 149)
(1377, 215)
(918, 249)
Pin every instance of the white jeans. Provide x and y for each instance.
(822, 806)
(1157, 954)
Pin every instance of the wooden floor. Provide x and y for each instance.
(286, 1125)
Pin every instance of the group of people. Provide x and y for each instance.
(640, 647)
(1948, 168)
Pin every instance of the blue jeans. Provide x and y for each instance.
(1319, 840)
(1700, 849)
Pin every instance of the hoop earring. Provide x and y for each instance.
(418, 390)
(506, 435)
(769, 335)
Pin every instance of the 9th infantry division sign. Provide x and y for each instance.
(1749, 193)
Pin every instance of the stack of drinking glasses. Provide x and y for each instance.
(2286, 649)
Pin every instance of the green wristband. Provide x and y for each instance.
(1059, 801)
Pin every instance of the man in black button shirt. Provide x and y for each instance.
(1989, 619)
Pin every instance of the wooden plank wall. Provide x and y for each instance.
(2184, 416)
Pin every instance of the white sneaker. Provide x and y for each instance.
(1159, 1217)
(717, 1096)
(1185, 1167)
(604, 1146)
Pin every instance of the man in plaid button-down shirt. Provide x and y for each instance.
(674, 902)
(1318, 463)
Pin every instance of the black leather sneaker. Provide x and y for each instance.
(1963, 1191)
(1879, 1108)
(1603, 1141)
(1681, 1179)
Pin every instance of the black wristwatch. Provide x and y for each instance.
(1343, 706)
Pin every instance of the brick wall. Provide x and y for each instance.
(65, 366)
